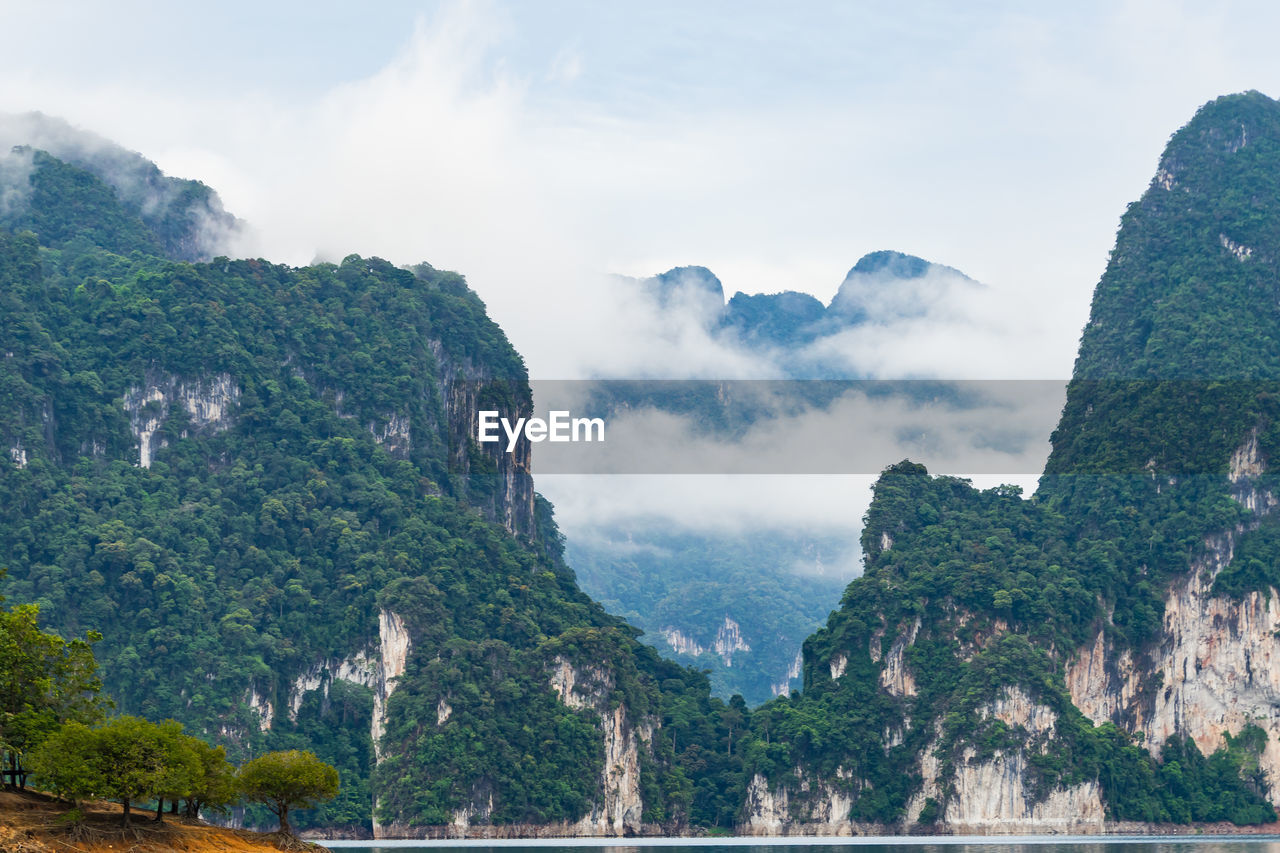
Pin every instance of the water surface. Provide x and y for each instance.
(956, 844)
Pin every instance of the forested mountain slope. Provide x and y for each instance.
(258, 482)
(740, 603)
(1107, 648)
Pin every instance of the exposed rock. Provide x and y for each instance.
(461, 384)
(818, 807)
(1216, 667)
(873, 648)
(895, 676)
(992, 796)
(394, 641)
(838, 665)
(394, 435)
(208, 402)
(622, 808)
(729, 640)
(1241, 252)
(376, 670)
(681, 643)
(782, 688)
(262, 707)
(464, 817)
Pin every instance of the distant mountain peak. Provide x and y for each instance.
(122, 200)
(1190, 288)
(896, 264)
(887, 263)
(892, 285)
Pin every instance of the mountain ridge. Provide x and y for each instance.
(328, 545)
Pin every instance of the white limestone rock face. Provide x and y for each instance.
(262, 707)
(394, 645)
(895, 677)
(1217, 662)
(207, 400)
(818, 807)
(783, 687)
(393, 434)
(992, 797)
(376, 669)
(729, 640)
(1240, 251)
(680, 642)
(591, 688)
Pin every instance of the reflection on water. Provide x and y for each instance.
(1201, 844)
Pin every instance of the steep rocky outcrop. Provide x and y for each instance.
(466, 388)
(1216, 666)
(995, 794)
(1012, 665)
(819, 807)
(208, 403)
(375, 668)
(621, 810)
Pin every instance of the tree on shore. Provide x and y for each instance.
(291, 779)
(45, 681)
(128, 759)
(216, 787)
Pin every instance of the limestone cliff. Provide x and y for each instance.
(1216, 665)
(995, 794)
(592, 688)
(818, 808)
(619, 809)
(206, 401)
(467, 387)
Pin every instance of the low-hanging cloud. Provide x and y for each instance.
(207, 230)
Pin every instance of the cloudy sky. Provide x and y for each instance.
(536, 146)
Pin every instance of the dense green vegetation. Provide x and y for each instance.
(984, 592)
(994, 587)
(1178, 365)
(690, 582)
(262, 545)
(311, 482)
(50, 713)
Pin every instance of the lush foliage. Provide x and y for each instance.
(128, 759)
(311, 481)
(292, 779)
(973, 589)
(334, 484)
(665, 581)
(45, 682)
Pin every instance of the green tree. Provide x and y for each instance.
(133, 761)
(182, 768)
(45, 681)
(68, 763)
(290, 779)
(216, 787)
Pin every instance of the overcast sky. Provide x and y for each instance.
(536, 146)
(532, 145)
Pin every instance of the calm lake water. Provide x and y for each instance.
(1010, 844)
